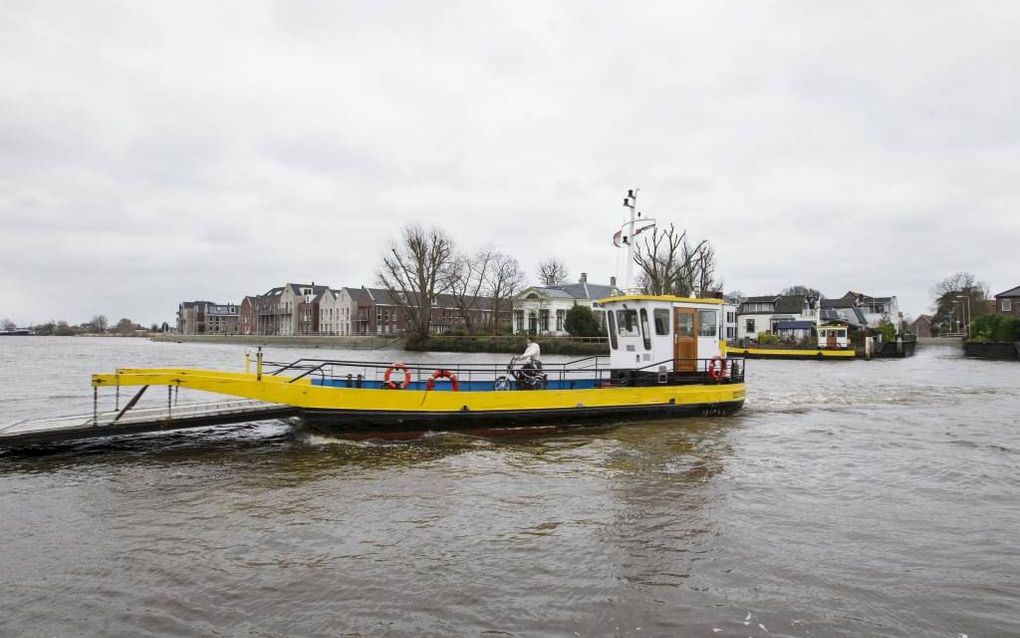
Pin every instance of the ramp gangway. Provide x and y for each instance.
(139, 420)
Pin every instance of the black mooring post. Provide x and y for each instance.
(130, 404)
(95, 405)
(170, 401)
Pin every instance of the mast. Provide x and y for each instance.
(630, 201)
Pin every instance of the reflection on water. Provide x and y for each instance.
(847, 499)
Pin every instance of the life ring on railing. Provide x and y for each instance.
(443, 374)
(717, 368)
(392, 385)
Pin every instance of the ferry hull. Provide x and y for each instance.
(373, 412)
(360, 424)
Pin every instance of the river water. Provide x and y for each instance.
(857, 498)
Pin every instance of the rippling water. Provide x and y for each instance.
(848, 499)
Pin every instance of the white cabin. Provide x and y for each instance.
(833, 334)
(680, 334)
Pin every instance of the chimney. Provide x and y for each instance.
(612, 282)
(584, 278)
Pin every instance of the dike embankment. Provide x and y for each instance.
(568, 346)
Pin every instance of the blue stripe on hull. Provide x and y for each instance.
(465, 386)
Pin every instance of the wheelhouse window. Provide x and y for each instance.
(661, 318)
(708, 321)
(612, 331)
(646, 335)
(627, 323)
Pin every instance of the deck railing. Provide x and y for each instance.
(594, 369)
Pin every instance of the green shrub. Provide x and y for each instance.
(580, 322)
(996, 328)
(887, 330)
(767, 339)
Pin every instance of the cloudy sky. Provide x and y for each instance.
(154, 152)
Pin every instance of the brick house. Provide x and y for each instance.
(1008, 303)
(922, 326)
(206, 317)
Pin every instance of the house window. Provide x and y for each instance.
(661, 318)
(731, 332)
(749, 327)
(1007, 305)
(543, 319)
(560, 316)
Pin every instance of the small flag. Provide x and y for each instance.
(643, 229)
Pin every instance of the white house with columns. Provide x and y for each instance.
(542, 310)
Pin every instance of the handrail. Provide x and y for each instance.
(596, 366)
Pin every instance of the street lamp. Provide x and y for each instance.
(967, 317)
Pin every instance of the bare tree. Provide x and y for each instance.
(552, 272)
(800, 289)
(99, 323)
(670, 265)
(962, 292)
(413, 274)
(502, 282)
(124, 327)
(6, 325)
(464, 278)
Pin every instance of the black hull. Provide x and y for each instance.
(404, 425)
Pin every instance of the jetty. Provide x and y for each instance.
(131, 420)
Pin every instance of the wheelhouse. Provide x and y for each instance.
(664, 333)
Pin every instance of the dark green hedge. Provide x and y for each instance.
(996, 328)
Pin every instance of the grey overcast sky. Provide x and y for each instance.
(154, 152)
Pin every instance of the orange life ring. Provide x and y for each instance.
(717, 374)
(443, 374)
(392, 385)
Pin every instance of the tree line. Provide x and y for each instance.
(98, 324)
(423, 263)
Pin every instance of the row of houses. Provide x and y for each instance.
(311, 309)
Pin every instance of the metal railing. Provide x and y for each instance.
(593, 371)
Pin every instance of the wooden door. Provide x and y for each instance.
(685, 340)
(830, 341)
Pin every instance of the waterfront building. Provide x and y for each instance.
(921, 327)
(207, 317)
(328, 302)
(542, 310)
(794, 315)
(1008, 302)
(246, 316)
